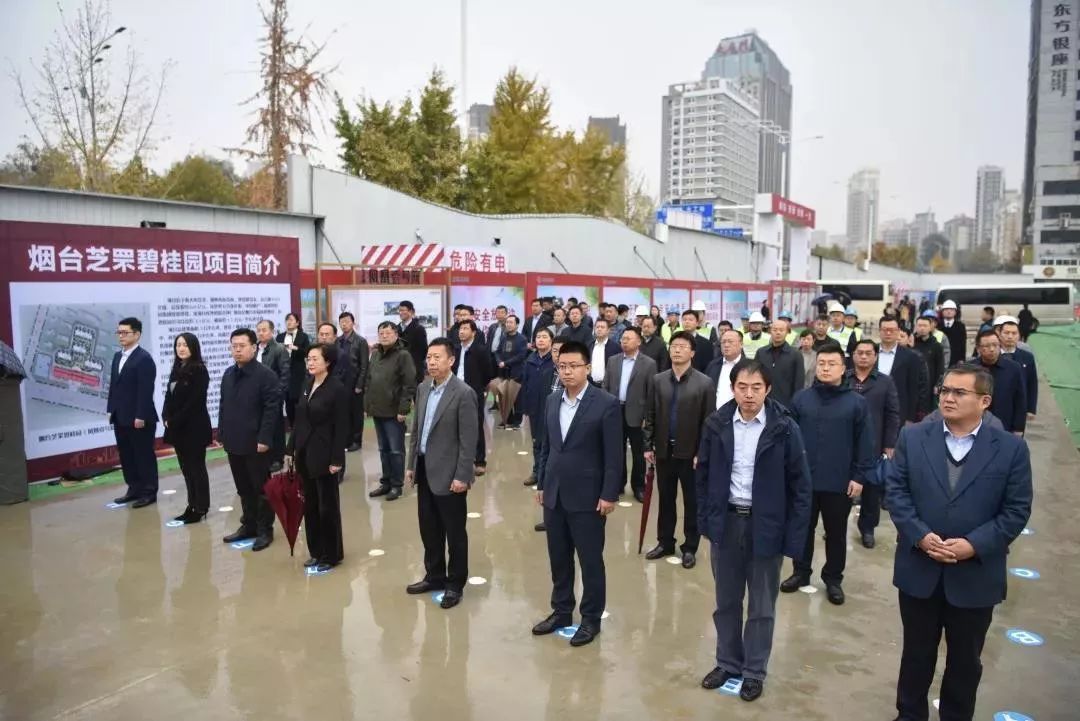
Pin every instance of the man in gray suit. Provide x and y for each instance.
(274, 356)
(629, 377)
(442, 446)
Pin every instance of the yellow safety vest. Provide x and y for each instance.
(792, 338)
(938, 336)
(666, 332)
(842, 336)
(751, 346)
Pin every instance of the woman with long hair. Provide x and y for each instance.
(187, 423)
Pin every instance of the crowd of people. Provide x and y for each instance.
(763, 428)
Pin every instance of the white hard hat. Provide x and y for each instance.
(949, 305)
(642, 310)
(757, 317)
(698, 305)
(835, 307)
(1003, 319)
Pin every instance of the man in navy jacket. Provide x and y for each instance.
(959, 493)
(753, 503)
(906, 368)
(1009, 333)
(581, 460)
(838, 431)
(133, 415)
(1010, 401)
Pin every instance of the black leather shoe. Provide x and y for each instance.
(193, 517)
(585, 634)
(423, 587)
(530, 481)
(353, 448)
(450, 599)
(835, 594)
(751, 689)
(144, 502)
(262, 542)
(868, 540)
(794, 582)
(688, 560)
(659, 552)
(124, 499)
(382, 490)
(640, 496)
(311, 563)
(241, 534)
(551, 624)
(184, 515)
(540, 527)
(394, 494)
(716, 678)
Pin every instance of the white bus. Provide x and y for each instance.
(868, 296)
(1048, 302)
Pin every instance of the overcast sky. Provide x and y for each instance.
(925, 90)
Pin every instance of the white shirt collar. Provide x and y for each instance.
(630, 357)
(759, 417)
(973, 433)
(580, 395)
(127, 352)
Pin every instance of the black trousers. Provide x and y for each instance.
(322, 513)
(277, 448)
(965, 631)
(250, 472)
(583, 532)
(192, 460)
(442, 525)
(290, 409)
(670, 474)
(636, 437)
(870, 507)
(356, 416)
(834, 509)
(137, 460)
(481, 416)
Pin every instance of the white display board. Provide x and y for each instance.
(373, 305)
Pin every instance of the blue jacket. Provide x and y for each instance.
(1026, 359)
(781, 488)
(990, 507)
(588, 465)
(839, 435)
(1010, 400)
(131, 392)
(536, 383)
(512, 351)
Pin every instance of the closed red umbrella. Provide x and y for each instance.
(650, 472)
(285, 493)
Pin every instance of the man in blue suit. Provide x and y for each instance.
(581, 460)
(959, 493)
(1009, 332)
(133, 415)
(1010, 401)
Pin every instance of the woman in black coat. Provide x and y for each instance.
(187, 423)
(297, 342)
(317, 447)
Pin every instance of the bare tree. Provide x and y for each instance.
(292, 88)
(77, 105)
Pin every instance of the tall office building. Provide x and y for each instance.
(894, 233)
(710, 147)
(863, 206)
(1008, 222)
(757, 70)
(959, 229)
(989, 185)
(1051, 203)
(479, 121)
(924, 224)
(612, 128)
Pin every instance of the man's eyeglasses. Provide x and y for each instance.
(957, 392)
(125, 332)
(564, 367)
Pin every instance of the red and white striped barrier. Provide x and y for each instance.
(405, 255)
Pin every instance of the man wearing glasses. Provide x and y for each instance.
(133, 415)
(959, 492)
(1010, 402)
(581, 459)
(836, 426)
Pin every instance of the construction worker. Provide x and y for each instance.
(756, 337)
(938, 334)
(793, 335)
(838, 331)
(851, 320)
(673, 326)
(704, 330)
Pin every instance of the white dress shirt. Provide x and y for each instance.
(259, 353)
(599, 360)
(747, 434)
(568, 409)
(959, 446)
(461, 361)
(627, 371)
(723, 384)
(124, 355)
(885, 360)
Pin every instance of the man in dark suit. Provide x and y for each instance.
(274, 356)
(653, 345)
(444, 430)
(249, 409)
(601, 349)
(537, 319)
(1009, 333)
(133, 415)
(1010, 400)
(629, 378)
(933, 355)
(955, 330)
(579, 484)
(903, 366)
(785, 364)
(704, 349)
(959, 493)
(495, 332)
(351, 368)
(473, 366)
(414, 335)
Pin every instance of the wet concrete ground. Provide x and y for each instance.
(108, 614)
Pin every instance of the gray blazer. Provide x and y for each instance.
(451, 443)
(638, 392)
(276, 357)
